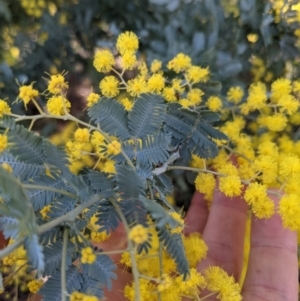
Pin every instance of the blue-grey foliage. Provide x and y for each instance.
(102, 270)
(51, 290)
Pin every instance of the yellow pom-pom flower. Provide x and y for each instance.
(57, 84)
(3, 142)
(127, 103)
(169, 94)
(156, 83)
(127, 41)
(87, 255)
(194, 96)
(82, 135)
(205, 183)
(276, 122)
(92, 99)
(103, 61)
(155, 66)
(4, 108)
(197, 74)
(113, 148)
(195, 248)
(138, 234)
(235, 94)
(165, 282)
(224, 285)
(35, 285)
(128, 60)
(137, 86)
(109, 86)
(214, 103)
(180, 62)
(289, 211)
(27, 93)
(231, 185)
(58, 105)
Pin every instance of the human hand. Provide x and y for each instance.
(273, 265)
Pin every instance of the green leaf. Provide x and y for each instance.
(147, 115)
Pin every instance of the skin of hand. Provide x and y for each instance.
(272, 273)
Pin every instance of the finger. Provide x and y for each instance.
(273, 265)
(197, 214)
(224, 234)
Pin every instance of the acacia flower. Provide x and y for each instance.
(27, 93)
(109, 86)
(156, 83)
(155, 66)
(103, 61)
(231, 185)
(127, 41)
(113, 148)
(289, 211)
(205, 183)
(137, 86)
(128, 60)
(127, 103)
(235, 94)
(3, 142)
(180, 62)
(220, 282)
(87, 255)
(190, 287)
(99, 237)
(169, 94)
(214, 103)
(4, 108)
(58, 105)
(82, 135)
(57, 84)
(197, 74)
(92, 99)
(195, 248)
(194, 96)
(165, 282)
(9, 260)
(138, 234)
(35, 285)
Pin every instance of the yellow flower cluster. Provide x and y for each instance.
(138, 234)
(27, 93)
(34, 8)
(87, 255)
(77, 296)
(9, 260)
(4, 108)
(35, 285)
(3, 142)
(218, 281)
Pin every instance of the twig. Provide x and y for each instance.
(63, 265)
